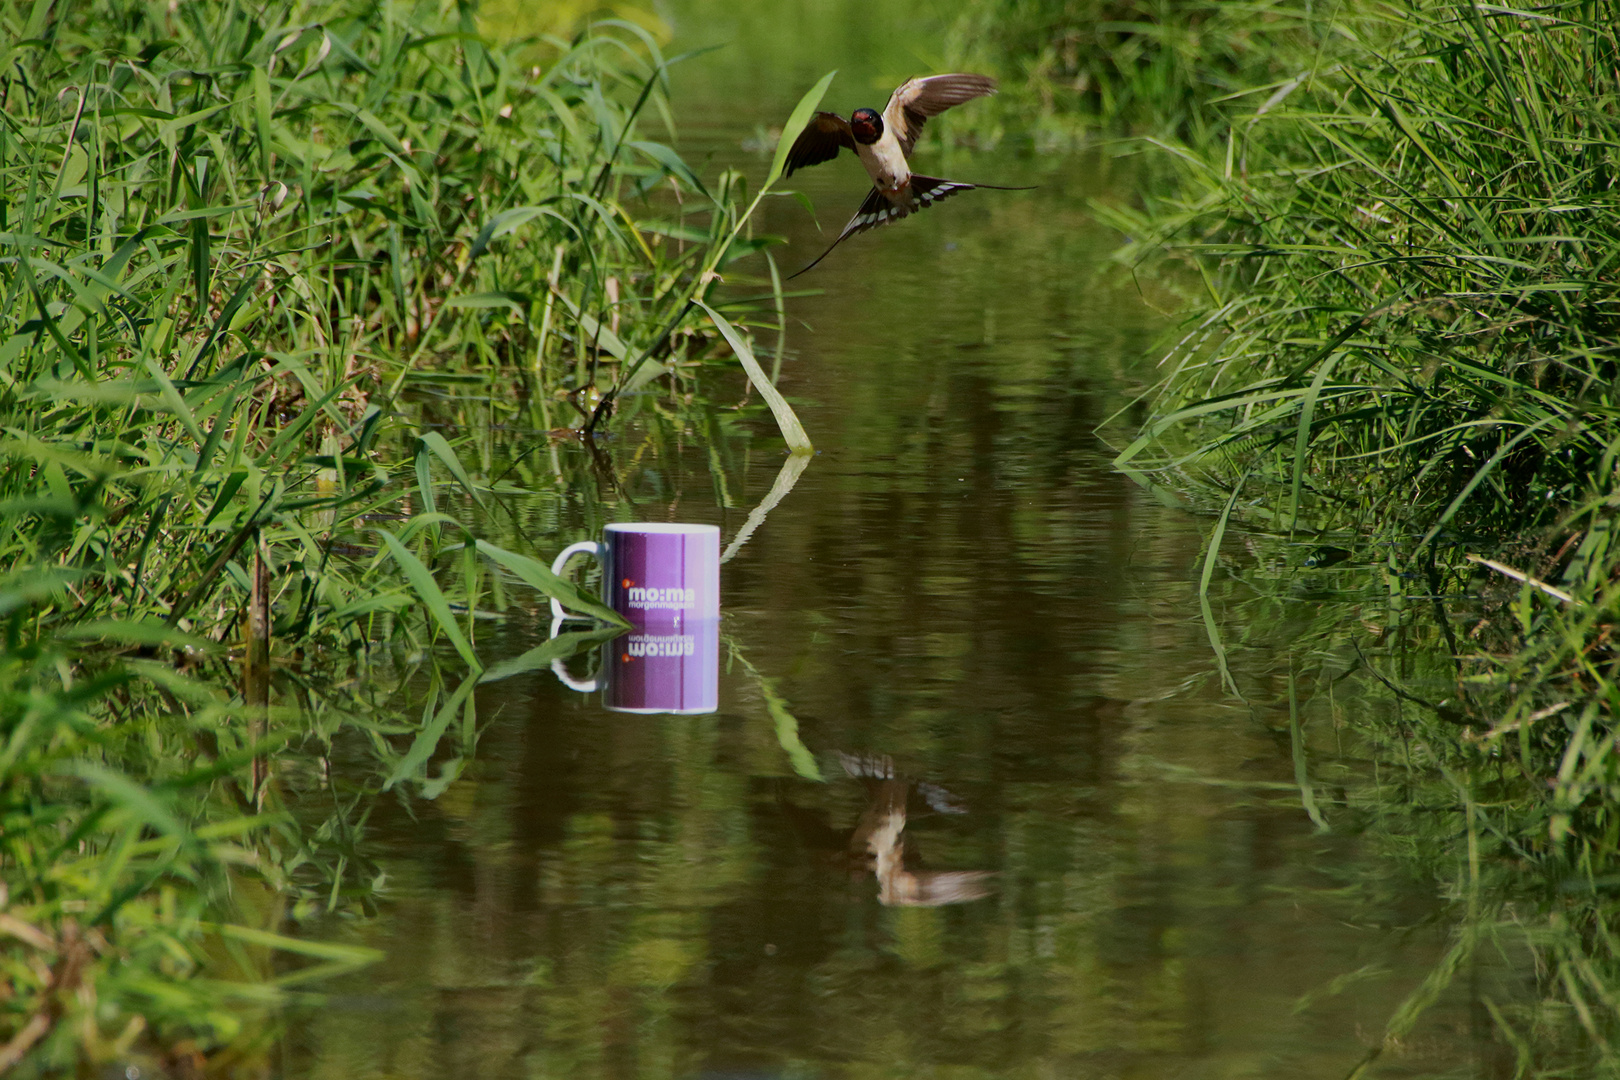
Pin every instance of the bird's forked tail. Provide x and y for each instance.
(878, 209)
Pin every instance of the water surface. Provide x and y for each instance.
(975, 802)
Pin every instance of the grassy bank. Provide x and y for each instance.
(1409, 342)
(1405, 341)
(238, 249)
(1400, 356)
(1408, 352)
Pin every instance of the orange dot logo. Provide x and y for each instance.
(627, 583)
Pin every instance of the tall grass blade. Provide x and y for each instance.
(796, 121)
(792, 431)
(432, 597)
(539, 577)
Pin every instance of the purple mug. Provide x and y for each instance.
(654, 574)
(664, 671)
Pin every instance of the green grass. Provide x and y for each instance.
(239, 247)
(1404, 342)
(1353, 667)
(1396, 229)
(1408, 265)
(1411, 327)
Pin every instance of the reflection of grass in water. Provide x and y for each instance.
(1397, 751)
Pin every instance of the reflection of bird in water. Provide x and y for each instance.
(884, 144)
(877, 842)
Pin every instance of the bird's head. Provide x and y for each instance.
(867, 126)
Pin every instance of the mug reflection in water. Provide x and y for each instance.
(674, 670)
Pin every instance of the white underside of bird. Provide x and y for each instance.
(885, 163)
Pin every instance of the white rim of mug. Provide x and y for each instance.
(661, 527)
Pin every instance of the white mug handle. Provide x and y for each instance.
(559, 667)
(590, 547)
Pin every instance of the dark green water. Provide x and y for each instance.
(1122, 878)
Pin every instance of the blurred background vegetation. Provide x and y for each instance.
(1078, 70)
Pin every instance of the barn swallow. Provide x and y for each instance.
(884, 143)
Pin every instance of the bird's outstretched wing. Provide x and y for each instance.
(915, 100)
(878, 210)
(821, 139)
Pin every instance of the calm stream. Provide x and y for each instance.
(988, 640)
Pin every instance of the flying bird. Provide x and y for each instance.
(884, 142)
